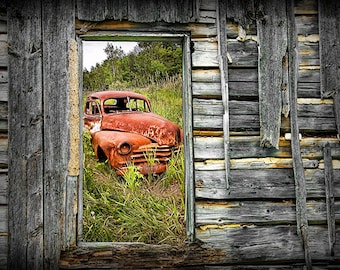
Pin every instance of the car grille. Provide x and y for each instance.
(150, 155)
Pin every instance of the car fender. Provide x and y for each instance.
(115, 145)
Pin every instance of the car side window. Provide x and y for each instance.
(92, 108)
(138, 105)
(111, 105)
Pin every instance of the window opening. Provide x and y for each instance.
(130, 135)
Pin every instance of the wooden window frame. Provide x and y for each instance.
(185, 40)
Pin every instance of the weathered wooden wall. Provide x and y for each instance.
(3, 138)
(271, 189)
(261, 199)
(40, 34)
(277, 203)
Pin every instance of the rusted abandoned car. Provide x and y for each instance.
(125, 130)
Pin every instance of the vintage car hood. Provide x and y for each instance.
(150, 125)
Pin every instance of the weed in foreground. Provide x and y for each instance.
(133, 208)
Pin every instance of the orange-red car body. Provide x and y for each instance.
(125, 131)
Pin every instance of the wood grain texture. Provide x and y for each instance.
(3, 50)
(336, 104)
(4, 189)
(218, 250)
(255, 242)
(261, 213)
(306, 24)
(4, 91)
(142, 256)
(3, 252)
(58, 18)
(197, 30)
(272, 38)
(240, 54)
(250, 123)
(223, 66)
(241, 12)
(3, 139)
(25, 129)
(298, 167)
(330, 201)
(188, 141)
(249, 147)
(245, 89)
(329, 23)
(243, 185)
(138, 11)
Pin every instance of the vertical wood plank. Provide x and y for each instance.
(272, 39)
(169, 11)
(285, 87)
(4, 175)
(186, 10)
(58, 34)
(188, 141)
(116, 9)
(241, 11)
(299, 174)
(92, 10)
(26, 133)
(329, 190)
(71, 206)
(329, 25)
(79, 235)
(71, 210)
(142, 11)
(336, 105)
(223, 65)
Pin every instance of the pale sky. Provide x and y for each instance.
(93, 51)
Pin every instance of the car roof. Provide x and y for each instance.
(116, 94)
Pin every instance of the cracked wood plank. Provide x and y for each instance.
(329, 24)
(272, 38)
(330, 203)
(57, 18)
(26, 132)
(210, 184)
(223, 65)
(298, 167)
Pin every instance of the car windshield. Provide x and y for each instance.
(114, 105)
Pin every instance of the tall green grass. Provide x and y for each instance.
(137, 208)
(166, 98)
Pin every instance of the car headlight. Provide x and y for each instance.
(124, 148)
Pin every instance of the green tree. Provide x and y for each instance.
(148, 63)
